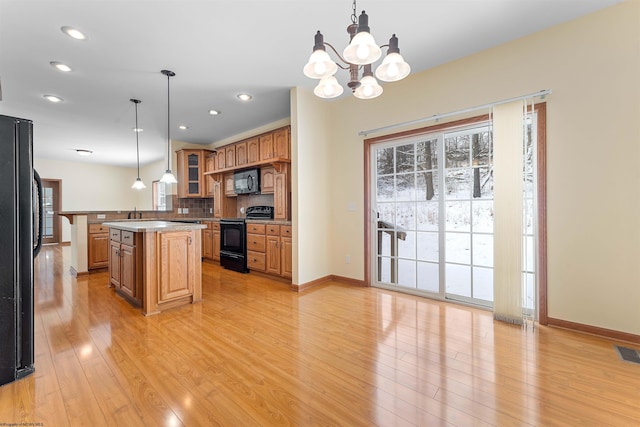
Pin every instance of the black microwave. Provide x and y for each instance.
(247, 181)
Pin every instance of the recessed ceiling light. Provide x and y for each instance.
(53, 98)
(244, 97)
(84, 153)
(214, 112)
(60, 66)
(183, 127)
(73, 32)
(137, 129)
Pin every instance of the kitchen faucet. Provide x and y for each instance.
(139, 215)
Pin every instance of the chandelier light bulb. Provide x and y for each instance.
(320, 65)
(328, 88)
(362, 50)
(368, 89)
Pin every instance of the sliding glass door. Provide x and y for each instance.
(433, 198)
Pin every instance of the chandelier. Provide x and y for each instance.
(358, 56)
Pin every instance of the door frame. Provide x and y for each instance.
(541, 111)
(56, 185)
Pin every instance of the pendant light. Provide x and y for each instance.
(168, 177)
(137, 184)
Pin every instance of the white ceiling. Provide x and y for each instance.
(217, 48)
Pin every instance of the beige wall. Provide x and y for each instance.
(592, 65)
(311, 179)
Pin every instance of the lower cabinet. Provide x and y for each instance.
(176, 260)
(211, 241)
(269, 249)
(125, 261)
(98, 246)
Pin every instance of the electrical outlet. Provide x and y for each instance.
(210, 210)
(179, 210)
(185, 210)
(101, 216)
(351, 206)
(347, 259)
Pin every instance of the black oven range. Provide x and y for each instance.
(233, 238)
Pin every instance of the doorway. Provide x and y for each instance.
(51, 190)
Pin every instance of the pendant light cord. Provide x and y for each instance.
(168, 118)
(137, 144)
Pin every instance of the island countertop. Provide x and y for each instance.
(151, 226)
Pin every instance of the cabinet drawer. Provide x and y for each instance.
(127, 237)
(256, 261)
(255, 228)
(273, 230)
(97, 228)
(256, 242)
(285, 231)
(114, 234)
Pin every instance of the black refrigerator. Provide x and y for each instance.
(20, 240)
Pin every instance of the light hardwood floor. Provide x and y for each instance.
(255, 353)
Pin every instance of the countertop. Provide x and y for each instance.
(146, 226)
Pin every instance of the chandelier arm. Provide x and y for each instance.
(344, 67)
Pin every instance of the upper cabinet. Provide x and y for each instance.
(253, 150)
(241, 153)
(282, 143)
(191, 178)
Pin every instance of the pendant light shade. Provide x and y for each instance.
(137, 184)
(363, 48)
(168, 177)
(328, 88)
(320, 64)
(369, 87)
(393, 67)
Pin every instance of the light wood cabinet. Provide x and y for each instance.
(241, 153)
(177, 259)
(221, 158)
(229, 188)
(253, 150)
(210, 166)
(217, 199)
(125, 264)
(269, 249)
(266, 146)
(211, 241)
(281, 194)
(230, 153)
(190, 171)
(281, 143)
(267, 175)
(286, 252)
(98, 246)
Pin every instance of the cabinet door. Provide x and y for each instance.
(266, 180)
(286, 246)
(266, 147)
(273, 255)
(114, 264)
(98, 250)
(241, 153)
(208, 179)
(128, 270)
(230, 152)
(217, 199)
(229, 189)
(281, 145)
(280, 196)
(207, 244)
(176, 277)
(253, 150)
(221, 159)
(216, 245)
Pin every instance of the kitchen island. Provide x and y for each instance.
(156, 264)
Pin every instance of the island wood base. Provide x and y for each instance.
(172, 270)
(156, 265)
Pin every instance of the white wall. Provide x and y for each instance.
(92, 187)
(592, 65)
